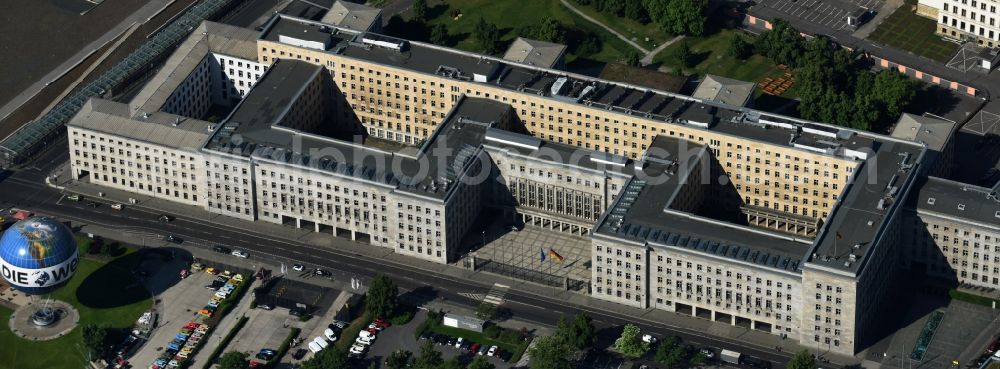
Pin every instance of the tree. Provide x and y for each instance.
(630, 343)
(802, 360)
(488, 36)
(683, 55)
(331, 358)
(453, 363)
(635, 10)
(578, 334)
(479, 362)
(234, 360)
(632, 58)
(383, 297)
(439, 34)
(679, 17)
(550, 353)
(398, 359)
(420, 10)
(94, 338)
(671, 353)
(739, 48)
(781, 44)
(486, 311)
(429, 358)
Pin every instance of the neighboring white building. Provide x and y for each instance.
(974, 20)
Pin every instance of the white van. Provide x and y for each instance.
(315, 347)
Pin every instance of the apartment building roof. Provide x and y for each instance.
(210, 37)
(931, 131)
(642, 213)
(351, 16)
(535, 52)
(158, 128)
(960, 201)
(725, 90)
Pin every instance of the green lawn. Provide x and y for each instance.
(711, 58)
(94, 281)
(635, 31)
(906, 30)
(509, 15)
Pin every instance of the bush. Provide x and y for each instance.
(402, 317)
(285, 345)
(491, 331)
(433, 321)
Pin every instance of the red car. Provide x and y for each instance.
(474, 347)
(382, 323)
(994, 346)
(373, 331)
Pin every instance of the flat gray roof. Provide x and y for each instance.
(876, 190)
(958, 200)
(641, 213)
(725, 90)
(535, 52)
(164, 129)
(931, 131)
(352, 16)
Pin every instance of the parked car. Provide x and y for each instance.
(222, 249)
(117, 206)
(165, 218)
(440, 339)
(482, 350)
(382, 323)
(358, 349)
(458, 343)
(426, 335)
(322, 342)
(265, 307)
(240, 254)
(298, 267)
(474, 347)
(340, 324)
(450, 341)
(295, 311)
(322, 273)
(492, 351)
(465, 345)
(315, 347)
(708, 352)
(73, 197)
(365, 341)
(173, 239)
(330, 335)
(648, 338)
(366, 334)
(266, 354)
(375, 327)
(299, 354)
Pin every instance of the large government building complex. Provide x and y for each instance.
(744, 217)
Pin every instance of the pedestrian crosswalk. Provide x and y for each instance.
(496, 294)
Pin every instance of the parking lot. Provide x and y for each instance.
(831, 14)
(265, 329)
(177, 305)
(402, 338)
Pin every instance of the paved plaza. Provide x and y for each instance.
(264, 329)
(530, 249)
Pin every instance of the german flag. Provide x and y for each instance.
(555, 255)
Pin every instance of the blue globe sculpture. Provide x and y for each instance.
(38, 255)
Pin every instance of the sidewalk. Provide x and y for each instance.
(656, 318)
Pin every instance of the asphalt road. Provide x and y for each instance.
(26, 189)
